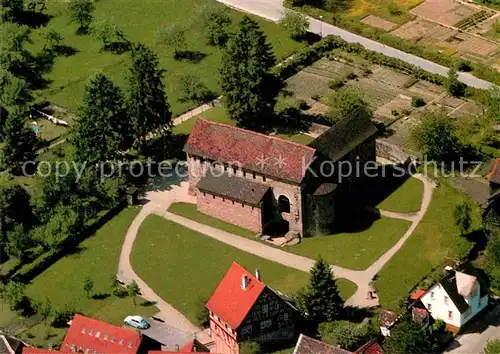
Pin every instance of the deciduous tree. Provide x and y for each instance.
(248, 85)
(174, 36)
(102, 127)
(437, 137)
(453, 85)
(133, 290)
(346, 103)
(463, 218)
(407, 337)
(321, 300)
(347, 335)
(295, 23)
(193, 89)
(88, 286)
(82, 12)
(148, 107)
(492, 347)
(52, 38)
(19, 145)
(10, 9)
(216, 22)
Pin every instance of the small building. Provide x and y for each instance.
(456, 298)
(243, 308)
(387, 319)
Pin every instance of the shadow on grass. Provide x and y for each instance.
(64, 50)
(193, 56)
(33, 19)
(100, 296)
(357, 314)
(148, 303)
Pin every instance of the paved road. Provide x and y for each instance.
(273, 10)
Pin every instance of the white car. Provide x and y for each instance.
(137, 322)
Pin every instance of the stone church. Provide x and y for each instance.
(271, 185)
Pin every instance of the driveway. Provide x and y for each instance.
(477, 335)
(273, 10)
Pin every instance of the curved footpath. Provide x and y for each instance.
(273, 10)
(159, 202)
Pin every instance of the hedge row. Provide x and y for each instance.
(480, 70)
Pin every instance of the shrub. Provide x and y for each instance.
(62, 317)
(417, 102)
(351, 76)
(464, 65)
(303, 105)
(336, 83)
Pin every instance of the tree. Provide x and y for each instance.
(320, 300)
(295, 23)
(10, 9)
(19, 242)
(13, 55)
(110, 34)
(407, 337)
(193, 89)
(15, 209)
(88, 286)
(347, 102)
(102, 127)
(345, 334)
(247, 83)
(15, 94)
(81, 12)
(202, 314)
(436, 136)
(174, 36)
(492, 347)
(64, 224)
(250, 348)
(462, 215)
(148, 107)
(15, 294)
(44, 310)
(453, 85)
(215, 22)
(133, 290)
(52, 38)
(19, 145)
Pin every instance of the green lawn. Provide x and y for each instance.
(184, 267)
(190, 211)
(354, 250)
(435, 240)
(140, 22)
(62, 283)
(216, 114)
(406, 198)
(298, 138)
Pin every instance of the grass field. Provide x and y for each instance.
(184, 267)
(190, 211)
(354, 250)
(435, 240)
(97, 259)
(406, 198)
(392, 10)
(140, 23)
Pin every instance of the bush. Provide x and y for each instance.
(351, 76)
(417, 102)
(62, 317)
(303, 105)
(335, 84)
(464, 65)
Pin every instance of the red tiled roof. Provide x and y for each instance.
(95, 335)
(248, 150)
(229, 301)
(417, 294)
(372, 347)
(494, 175)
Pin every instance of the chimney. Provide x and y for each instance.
(244, 282)
(257, 273)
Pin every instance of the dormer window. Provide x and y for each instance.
(84, 330)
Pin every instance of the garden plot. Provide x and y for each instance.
(306, 85)
(331, 69)
(424, 31)
(426, 90)
(375, 93)
(378, 22)
(467, 110)
(389, 77)
(446, 12)
(467, 43)
(452, 102)
(393, 109)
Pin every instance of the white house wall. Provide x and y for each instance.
(439, 310)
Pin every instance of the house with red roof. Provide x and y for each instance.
(308, 345)
(270, 185)
(243, 308)
(89, 335)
